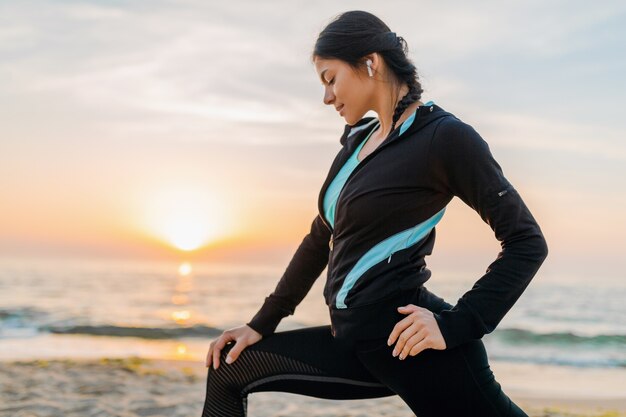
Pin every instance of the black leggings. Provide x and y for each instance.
(453, 382)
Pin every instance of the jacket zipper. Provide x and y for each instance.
(361, 163)
(348, 179)
(331, 229)
(405, 243)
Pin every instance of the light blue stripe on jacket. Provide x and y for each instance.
(333, 190)
(384, 250)
(335, 187)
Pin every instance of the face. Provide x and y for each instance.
(344, 89)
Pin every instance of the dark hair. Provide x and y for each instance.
(353, 34)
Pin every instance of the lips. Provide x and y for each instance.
(340, 108)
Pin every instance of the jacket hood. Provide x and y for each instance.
(422, 116)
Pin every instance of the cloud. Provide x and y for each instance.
(520, 130)
(205, 67)
(195, 65)
(93, 11)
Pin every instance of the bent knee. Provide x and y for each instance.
(229, 375)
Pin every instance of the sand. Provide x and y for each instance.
(133, 387)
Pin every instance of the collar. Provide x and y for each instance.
(422, 116)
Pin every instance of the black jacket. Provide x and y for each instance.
(411, 176)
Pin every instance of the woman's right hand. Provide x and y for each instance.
(243, 336)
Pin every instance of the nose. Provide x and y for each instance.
(329, 96)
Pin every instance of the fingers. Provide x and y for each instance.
(219, 345)
(416, 332)
(234, 352)
(415, 344)
(243, 336)
(398, 329)
(217, 351)
(420, 346)
(409, 308)
(411, 334)
(209, 355)
(405, 322)
(404, 338)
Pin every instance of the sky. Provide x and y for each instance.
(138, 129)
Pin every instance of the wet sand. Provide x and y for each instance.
(134, 387)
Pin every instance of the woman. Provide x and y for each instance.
(386, 190)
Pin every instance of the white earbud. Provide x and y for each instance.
(369, 67)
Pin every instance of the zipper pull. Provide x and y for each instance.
(389, 260)
(330, 242)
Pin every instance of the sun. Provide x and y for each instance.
(187, 231)
(186, 218)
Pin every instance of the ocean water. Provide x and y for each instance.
(82, 308)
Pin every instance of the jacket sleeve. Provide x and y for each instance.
(463, 166)
(305, 267)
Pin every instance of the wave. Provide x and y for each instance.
(141, 332)
(521, 336)
(22, 318)
(560, 359)
(21, 314)
(508, 336)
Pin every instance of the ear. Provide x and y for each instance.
(376, 64)
(375, 57)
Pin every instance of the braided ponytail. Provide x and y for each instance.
(413, 95)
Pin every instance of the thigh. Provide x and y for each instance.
(306, 361)
(477, 363)
(455, 381)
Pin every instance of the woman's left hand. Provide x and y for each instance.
(416, 332)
